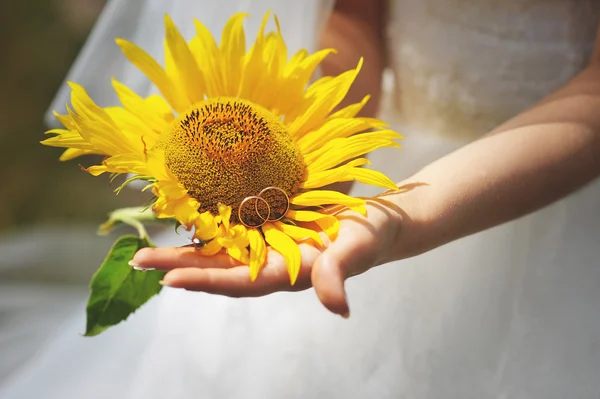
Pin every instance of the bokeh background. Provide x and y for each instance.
(49, 210)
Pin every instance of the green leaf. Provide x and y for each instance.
(117, 289)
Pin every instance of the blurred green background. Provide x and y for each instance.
(47, 208)
(38, 42)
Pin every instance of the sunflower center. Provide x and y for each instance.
(226, 150)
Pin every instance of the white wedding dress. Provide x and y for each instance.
(513, 312)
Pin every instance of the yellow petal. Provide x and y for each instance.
(71, 153)
(132, 128)
(351, 110)
(96, 126)
(235, 240)
(208, 57)
(239, 253)
(155, 73)
(173, 201)
(240, 233)
(329, 224)
(340, 150)
(327, 97)
(65, 120)
(85, 107)
(224, 215)
(349, 172)
(339, 174)
(297, 77)
(306, 216)
(62, 131)
(206, 226)
(258, 252)
(185, 210)
(169, 188)
(237, 235)
(279, 50)
(189, 76)
(97, 170)
(159, 106)
(299, 233)
(295, 61)
(286, 247)
(211, 248)
(155, 160)
(123, 163)
(337, 128)
(325, 197)
(68, 138)
(372, 177)
(148, 112)
(161, 208)
(132, 162)
(254, 75)
(264, 81)
(304, 65)
(233, 48)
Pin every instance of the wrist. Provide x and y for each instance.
(408, 227)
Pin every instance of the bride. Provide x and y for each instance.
(509, 312)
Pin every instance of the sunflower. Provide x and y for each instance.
(237, 145)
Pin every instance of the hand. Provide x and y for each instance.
(362, 242)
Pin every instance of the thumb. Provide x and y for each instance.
(346, 256)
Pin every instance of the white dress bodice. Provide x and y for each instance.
(465, 66)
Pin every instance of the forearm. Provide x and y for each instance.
(530, 161)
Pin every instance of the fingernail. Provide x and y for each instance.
(347, 314)
(143, 269)
(138, 267)
(164, 283)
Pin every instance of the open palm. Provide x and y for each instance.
(362, 242)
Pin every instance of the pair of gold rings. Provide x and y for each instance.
(270, 205)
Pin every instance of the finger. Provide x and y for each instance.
(350, 254)
(328, 280)
(180, 257)
(235, 281)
